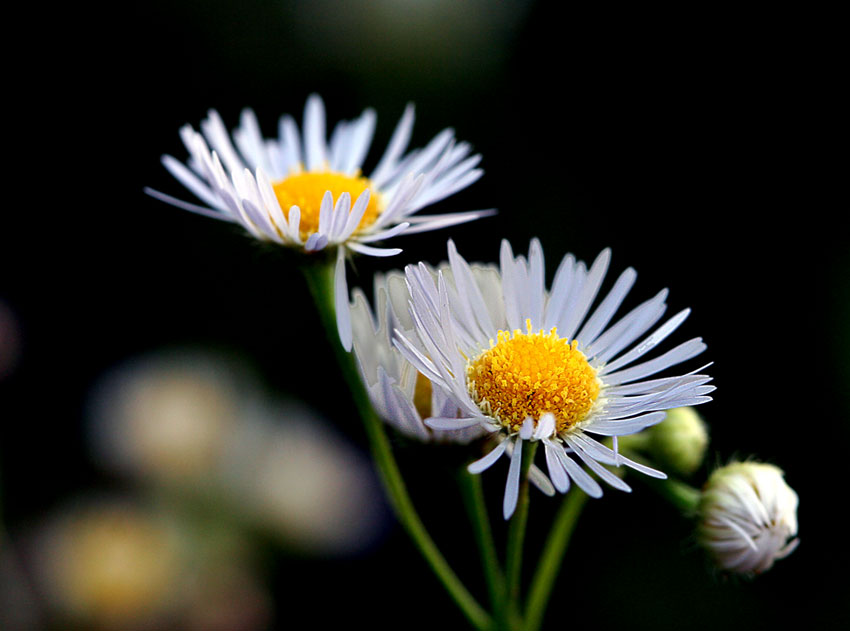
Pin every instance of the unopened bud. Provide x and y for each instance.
(747, 515)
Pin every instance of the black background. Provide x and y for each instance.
(698, 145)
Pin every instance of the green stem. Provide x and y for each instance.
(516, 538)
(320, 281)
(680, 494)
(552, 557)
(473, 496)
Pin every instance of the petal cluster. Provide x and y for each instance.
(400, 394)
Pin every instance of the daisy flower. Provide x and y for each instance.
(304, 191)
(525, 363)
(748, 514)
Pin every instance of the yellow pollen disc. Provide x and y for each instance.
(529, 374)
(306, 189)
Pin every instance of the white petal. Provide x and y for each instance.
(437, 422)
(539, 479)
(487, 461)
(370, 251)
(191, 181)
(341, 304)
(356, 214)
(315, 146)
(201, 210)
(579, 475)
(395, 148)
(545, 426)
(512, 485)
(556, 470)
(576, 311)
(384, 234)
(649, 343)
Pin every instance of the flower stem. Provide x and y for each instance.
(320, 281)
(680, 494)
(516, 538)
(552, 557)
(473, 496)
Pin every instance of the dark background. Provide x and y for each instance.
(696, 144)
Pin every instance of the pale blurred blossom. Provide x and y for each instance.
(301, 482)
(169, 416)
(201, 422)
(109, 564)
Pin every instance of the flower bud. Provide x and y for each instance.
(679, 442)
(747, 516)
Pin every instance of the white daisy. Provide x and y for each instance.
(529, 364)
(304, 191)
(748, 516)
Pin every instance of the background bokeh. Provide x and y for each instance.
(695, 143)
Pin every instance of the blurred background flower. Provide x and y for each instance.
(111, 565)
(299, 481)
(169, 416)
(216, 478)
(199, 425)
(695, 142)
(121, 563)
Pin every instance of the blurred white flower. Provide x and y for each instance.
(169, 416)
(119, 564)
(295, 477)
(110, 564)
(748, 517)
(200, 423)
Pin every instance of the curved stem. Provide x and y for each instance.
(680, 494)
(552, 557)
(320, 281)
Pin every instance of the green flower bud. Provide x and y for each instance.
(679, 442)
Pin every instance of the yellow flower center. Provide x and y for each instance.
(529, 374)
(306, 189)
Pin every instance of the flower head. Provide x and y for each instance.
(530, 364)
(304, 191)
(748, 514)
